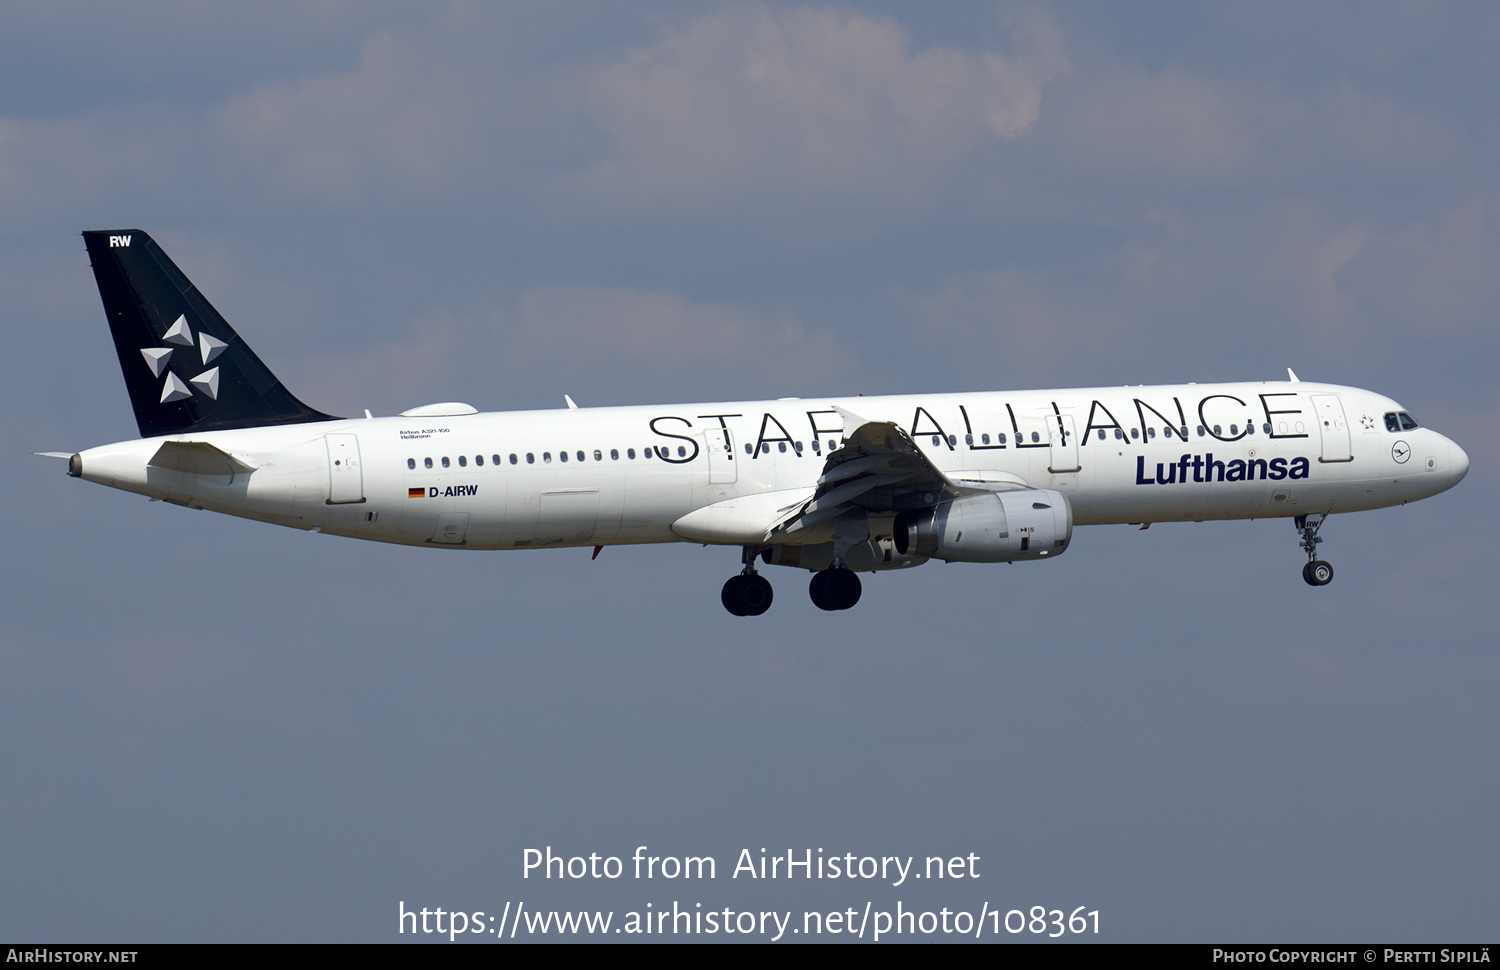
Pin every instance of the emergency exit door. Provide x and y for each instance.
(1064, 457)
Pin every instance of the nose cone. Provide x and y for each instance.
(1458, 462)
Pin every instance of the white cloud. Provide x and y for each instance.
(780, 104)
(602, 346)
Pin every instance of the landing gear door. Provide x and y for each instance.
(1335, 430)
(722, 468)
(1064, 456)
(346, 482)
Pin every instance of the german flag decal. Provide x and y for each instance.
(415, 492)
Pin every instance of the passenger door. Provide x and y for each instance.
(346, 485)
(1335, 430)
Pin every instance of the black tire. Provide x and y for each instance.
(1307, 576)
(834, 589)
(817, 588)
(733, 595)
(844, 588)
(1320, 573)
(755, 595)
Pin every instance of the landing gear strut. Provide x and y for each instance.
(748, 594)
(837, 588)
(1316, 572)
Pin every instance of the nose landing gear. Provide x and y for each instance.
(748, 594)
(1316, 572)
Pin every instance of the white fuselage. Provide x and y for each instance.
(501, 481)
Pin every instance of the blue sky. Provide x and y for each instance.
(214, 729)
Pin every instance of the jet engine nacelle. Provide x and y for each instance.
(994, 527)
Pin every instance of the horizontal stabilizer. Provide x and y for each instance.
(197, 458)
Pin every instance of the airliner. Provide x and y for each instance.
(835, 486)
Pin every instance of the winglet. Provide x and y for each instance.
(571, 405)
(1292, 376)
(852, 421)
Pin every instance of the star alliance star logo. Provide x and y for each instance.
(173, 389)
(1367, 421)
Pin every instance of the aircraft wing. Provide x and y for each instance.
(879, 469)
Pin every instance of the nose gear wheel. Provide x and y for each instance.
(1316, 572)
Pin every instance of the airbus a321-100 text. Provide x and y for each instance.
(836, 486)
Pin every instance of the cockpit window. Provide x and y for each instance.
(1392, 423)
(1407, 424)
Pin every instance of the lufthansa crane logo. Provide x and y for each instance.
(174, 389)
(1401, 451)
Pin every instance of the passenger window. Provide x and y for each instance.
(682, 452)
(546, 457)
(580, 456)
(1035, 437)
(969, 440)
(1201, 431)
(445, 461)
(614, 454)
(1150, 434)
(1000, 438)
(561, 455)
(953, 441)
(749, 449)
(645, 452)
(1266, 428)
(598, 455)
(1391, 421)
(630, 453)
(1135, 433)
(496, 459)
(765, 447)
(1234, 429)
(427, 462)
(1218, 431)
(798, 446)
(831, 445)
(780, 446)
(463, 461)
(1407, 422)
(984, 439)
(1119, 435)
(530, 458)
(411, 463)
(513, 458)
(479, 460)
(936, 440)
(1101, 434)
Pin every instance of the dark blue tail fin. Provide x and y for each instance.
(185, 367)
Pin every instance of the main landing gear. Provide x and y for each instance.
(837, 588)
(1316, 572)
(748, 594)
